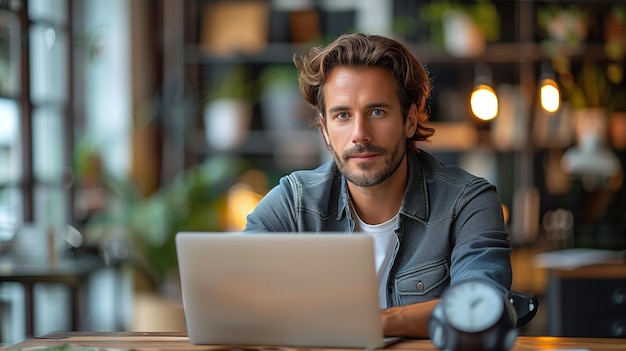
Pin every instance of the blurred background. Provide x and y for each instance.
(123, 122)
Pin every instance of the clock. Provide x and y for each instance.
(473, 315)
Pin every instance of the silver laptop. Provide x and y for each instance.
(311, 290)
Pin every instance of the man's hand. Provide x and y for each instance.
(410, 321)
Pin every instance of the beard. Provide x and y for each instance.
(365, 176)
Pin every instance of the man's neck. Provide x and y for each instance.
(377, 204)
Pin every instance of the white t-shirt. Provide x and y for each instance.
(385, 241)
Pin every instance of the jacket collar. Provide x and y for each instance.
(415, 201)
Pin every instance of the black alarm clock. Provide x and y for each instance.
(473, 315)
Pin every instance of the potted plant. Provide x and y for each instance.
(462, 29)
(286, 117)
(227, 111)
(194, 201)
(588, 88)
(281, 101)
(564, 28)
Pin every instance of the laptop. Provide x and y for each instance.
(307, 290)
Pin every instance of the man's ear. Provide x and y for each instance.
(324, 131)
(411, 121)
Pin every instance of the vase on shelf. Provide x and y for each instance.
(226, 123)
(462, 37)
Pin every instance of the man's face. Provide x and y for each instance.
(364, 128)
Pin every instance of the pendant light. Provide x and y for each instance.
(549, 92)
(483, 100)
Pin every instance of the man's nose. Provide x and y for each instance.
(361, 133)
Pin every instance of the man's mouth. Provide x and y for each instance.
(365, 156)
(365, 153)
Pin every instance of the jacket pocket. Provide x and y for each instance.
(425, 282)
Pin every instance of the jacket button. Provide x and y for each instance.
(420, 286)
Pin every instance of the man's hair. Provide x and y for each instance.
(363, 50)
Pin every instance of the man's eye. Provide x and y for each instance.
(378, 113)
(342, 116)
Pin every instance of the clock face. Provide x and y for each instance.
(472, 306)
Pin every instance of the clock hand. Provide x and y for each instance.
(476, 302)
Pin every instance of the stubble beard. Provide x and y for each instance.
(393, 160)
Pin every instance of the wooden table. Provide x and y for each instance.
(179, 341)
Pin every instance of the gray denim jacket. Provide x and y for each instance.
(451, 225)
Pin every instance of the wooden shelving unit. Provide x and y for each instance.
(516, 59)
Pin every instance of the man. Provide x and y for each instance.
(432, 224)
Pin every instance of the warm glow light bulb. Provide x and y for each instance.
(484, 102)
(550, 96)
(241, 201)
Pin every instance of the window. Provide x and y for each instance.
(35, 112)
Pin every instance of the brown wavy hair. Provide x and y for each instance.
(363, 50)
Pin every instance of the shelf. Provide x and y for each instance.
(273, 54)
(256, 143)
(512, 53)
